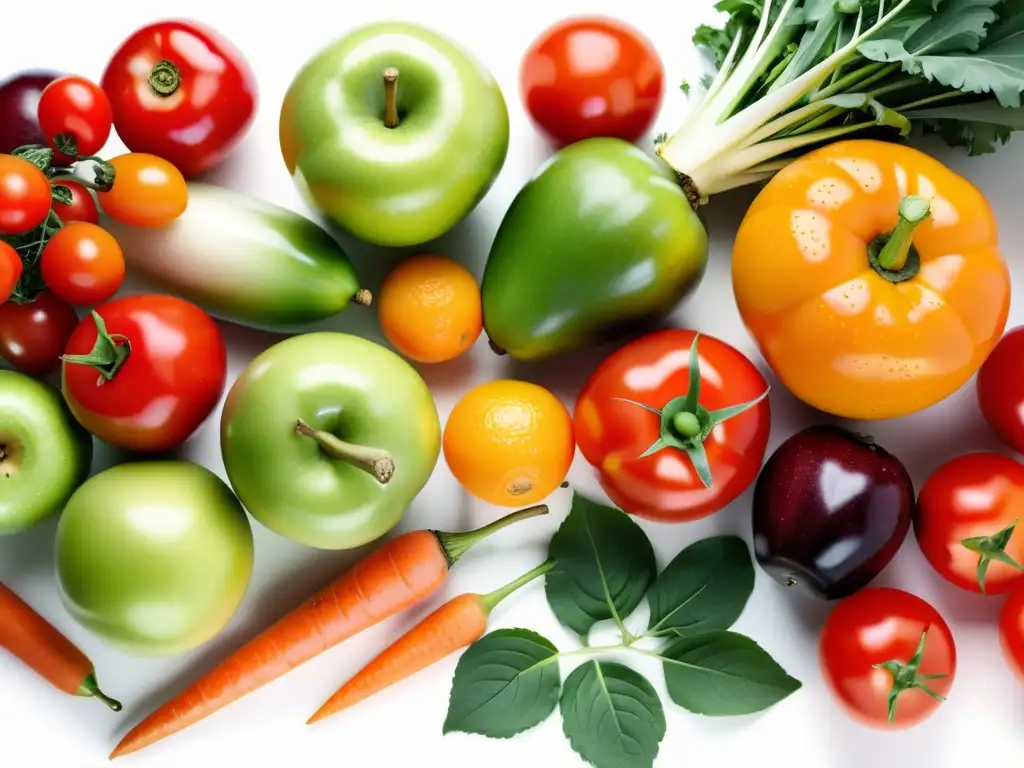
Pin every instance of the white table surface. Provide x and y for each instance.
(42, 728)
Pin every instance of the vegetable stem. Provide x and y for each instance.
(391, 97)
(90, 687)
(913, 210)
(374, 461)
(363, 297)
(455, 545)
(164, 78)
(108, 354)
(491, 599)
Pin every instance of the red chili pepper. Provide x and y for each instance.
(182, 92)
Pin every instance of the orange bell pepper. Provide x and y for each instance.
(870, 277)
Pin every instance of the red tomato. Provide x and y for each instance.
(884, 641)
(1011, 632)
(1000, 385)
(182, 92)
(148, 191)
(965, 522)
(83, 264)
(76, 106)
(150, 377)
(591, 76)
(33, 335)
(81, 208)
(10, 270)
(654, 373)
(24, 196)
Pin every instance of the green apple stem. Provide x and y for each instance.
(373, 461)
(391, 97)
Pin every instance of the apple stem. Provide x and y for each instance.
(373, 461)
(391, 97)
(363, 297)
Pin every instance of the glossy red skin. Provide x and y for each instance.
(10, 270)
(591, 76)
(1011, 632)
(82, 207)
(1000, 388)
(201, 122)
(83, 264)
(876, 625)
(172, 380)
(611, 434)
(19, 105)
(24, 196)
(33, 336)
(977, 494)
(78, 106)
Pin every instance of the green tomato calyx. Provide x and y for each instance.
(391, 97)
(686, 424)
(991, 548)
(90, 687)
(164, 78)
(907, 675)
(108, 354)
(455, 545)
(374, 461)
(894, 256)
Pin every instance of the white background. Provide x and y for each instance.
(42, 728)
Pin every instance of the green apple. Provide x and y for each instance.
(395, 132)
(44, 454)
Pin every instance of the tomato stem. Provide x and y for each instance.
(373, 461)
(491, 599)
(894, 255)
(906, 675)
(391, 97)
(164, 78)
(107, 354)
(991, 548)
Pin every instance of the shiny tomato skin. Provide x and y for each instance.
(148, 191)
(171, 381)
(1011, 632)
(876, 625)
(33, 335)
(591, 76)
(1000, 388)
(24, 196)
(10, 270)
(211, 106)
(973, 495)
(83, 264)
(75, 105)
(81, 208)
(653, 370)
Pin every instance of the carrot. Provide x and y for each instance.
(401, 572)
(45, 650)
(456, 624)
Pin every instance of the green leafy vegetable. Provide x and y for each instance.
(723, 673)
(604, 565)
(612, 716)
(795, 74)
(505, 683)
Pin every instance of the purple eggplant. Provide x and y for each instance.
(831, 509)
(19, 98)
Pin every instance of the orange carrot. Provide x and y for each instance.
(45, 650)
(401, 572)
(456, 624)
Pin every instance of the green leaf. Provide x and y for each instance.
(61, 194)
(979, 127)
(721, 673)
(706, 586)
(604, 565)
(612, 716)
(505, 683)
(41, 157)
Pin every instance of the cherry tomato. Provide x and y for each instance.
(965, 522)
(81, 208)
(679, 467)
(180, 91)
(591, 76)
(150, 376)
(33, 335)
(10, 270)
(77, 106)
(24, 196)
(1011, 632)
(888, 657)
(1000, 386)
(83, 264)
(148, 191)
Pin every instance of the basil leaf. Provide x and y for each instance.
(612, 716)
(722, 673)
(605, 563)
(505, 683)
(706, 586)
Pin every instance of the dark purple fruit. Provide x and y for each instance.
(19, 99)
(831, 509)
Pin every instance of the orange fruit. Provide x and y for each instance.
(509, 442)
(429, 308)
